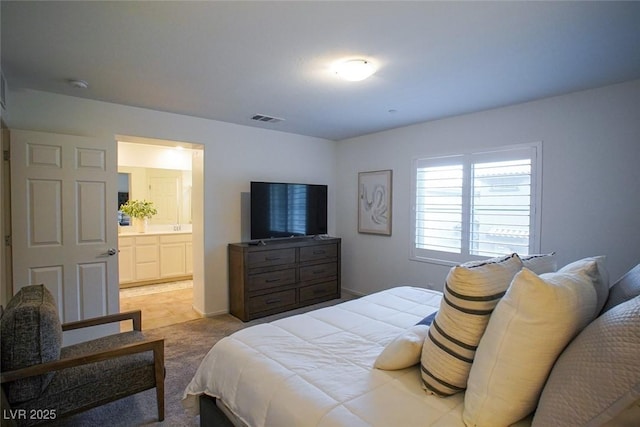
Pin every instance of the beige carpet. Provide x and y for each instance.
(185, 346)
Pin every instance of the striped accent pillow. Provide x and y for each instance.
(472, 290)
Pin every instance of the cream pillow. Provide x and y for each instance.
(530, 326)
(471, 292)
(404, 351)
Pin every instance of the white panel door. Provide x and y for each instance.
(163, 192)
(64, 220)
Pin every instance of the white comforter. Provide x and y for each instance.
(316, 369)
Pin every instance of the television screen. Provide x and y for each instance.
(287, 210)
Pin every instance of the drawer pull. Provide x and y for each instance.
(274, 258)
(318, 291)
(318, 252)
(273, 301)
(272, 280)
(318, 272)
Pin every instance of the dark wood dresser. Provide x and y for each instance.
(282, 275)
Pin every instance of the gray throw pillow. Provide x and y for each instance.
(627, 287)
(597, 375)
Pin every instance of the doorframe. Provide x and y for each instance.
(197, 216)
(6, 275)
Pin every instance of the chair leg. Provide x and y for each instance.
(158, 356)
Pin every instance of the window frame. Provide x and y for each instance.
(468, 158)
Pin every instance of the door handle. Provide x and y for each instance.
(112, 251)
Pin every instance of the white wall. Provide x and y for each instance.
(590, 191)
(591, 178)
(233, 156)
(153, 156)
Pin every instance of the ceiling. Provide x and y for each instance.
(231, 60)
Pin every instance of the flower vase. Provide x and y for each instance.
(141, 224)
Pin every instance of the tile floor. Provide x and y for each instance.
(161, 305)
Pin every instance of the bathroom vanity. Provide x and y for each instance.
(154, 256)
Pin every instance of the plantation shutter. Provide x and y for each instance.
(476, 205)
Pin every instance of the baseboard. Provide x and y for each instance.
(155, 281)
(209, 314)
(352, 292)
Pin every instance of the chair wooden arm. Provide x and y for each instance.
(135, 316)
(156, 345)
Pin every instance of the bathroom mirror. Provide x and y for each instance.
(168, 189)
(123, 196)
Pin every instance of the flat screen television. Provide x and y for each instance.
(287, 210)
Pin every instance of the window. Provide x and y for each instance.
(477, 205)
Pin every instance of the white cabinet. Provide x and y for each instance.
(154, 258)
(126, 260)
(147, 259)
(173, 255)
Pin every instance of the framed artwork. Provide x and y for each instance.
(374, 202)
(3, 84)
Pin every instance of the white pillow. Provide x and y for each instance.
(600, 277)
(530, 326)
(471, 292)
(540, 263)
(404, 351)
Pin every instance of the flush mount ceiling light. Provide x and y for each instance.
(79, 84)
(354, 70)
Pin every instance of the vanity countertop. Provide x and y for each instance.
(129, 231)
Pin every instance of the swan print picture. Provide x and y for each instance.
(374, 202)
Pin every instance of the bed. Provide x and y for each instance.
(316, 369)
(554, 348)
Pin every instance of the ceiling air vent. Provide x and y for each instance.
(267, 119)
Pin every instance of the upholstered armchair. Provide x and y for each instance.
(41, 379)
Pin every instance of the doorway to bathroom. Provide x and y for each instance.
(156, 265)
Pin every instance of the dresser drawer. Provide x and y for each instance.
(282, 275)
(320, 290)
(320, 252)
(272, 279)
(272, 301)
(319, 271)
(269, 258)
